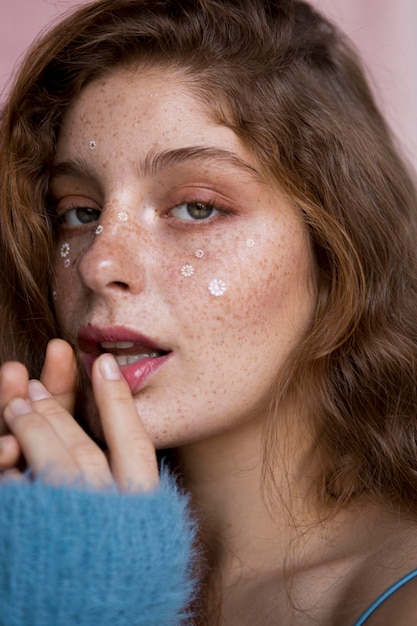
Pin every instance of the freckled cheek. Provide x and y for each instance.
(195, 274)
(64, 290)
(274, 286)
(227, 273)
(66, 282)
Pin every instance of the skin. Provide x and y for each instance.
(209, 401)
(59, 375)
(39, 417)
(133, 268)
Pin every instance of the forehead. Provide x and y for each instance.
(136, 95)
(139, 113)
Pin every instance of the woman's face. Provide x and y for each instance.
(176, 255)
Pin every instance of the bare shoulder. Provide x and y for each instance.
(400, 608)
(389, 581)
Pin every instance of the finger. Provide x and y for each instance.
(10, 475)
(10, 452)
(59, 373)
(90, 460)
(132, 453)
(13, 382)
(42, 448)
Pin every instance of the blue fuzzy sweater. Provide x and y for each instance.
(73, 557)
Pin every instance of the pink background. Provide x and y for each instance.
(384, 31)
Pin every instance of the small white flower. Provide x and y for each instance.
(187, 270)
(65, 249)
(67, 263)
(99, 229)
(217, 287)
(199, 253)
(92, 145)
(250, 243)
(123, 216)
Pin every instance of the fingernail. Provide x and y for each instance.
(18, 406)
(109, 368)
(37, 391)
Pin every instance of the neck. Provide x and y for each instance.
(277, 555)
(257, 539)
(247, 523)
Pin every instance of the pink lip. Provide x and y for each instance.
(136, 374)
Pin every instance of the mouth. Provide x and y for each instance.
(137, 356)
(127, 352)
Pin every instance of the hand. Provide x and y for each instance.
(59, 375)
(56, 446)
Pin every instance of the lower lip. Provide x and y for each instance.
(135, 374)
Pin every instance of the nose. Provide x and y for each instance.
(112, 263)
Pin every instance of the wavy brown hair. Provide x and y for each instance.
(290, 86)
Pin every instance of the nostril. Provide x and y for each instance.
(121, 285)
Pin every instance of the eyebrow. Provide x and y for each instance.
(76, 168)
(154, 163)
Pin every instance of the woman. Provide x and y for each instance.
(231, 232)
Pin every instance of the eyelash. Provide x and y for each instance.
(219, 211)
(66, 214)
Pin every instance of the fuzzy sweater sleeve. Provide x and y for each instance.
(73, 557)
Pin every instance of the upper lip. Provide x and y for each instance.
(91, 338)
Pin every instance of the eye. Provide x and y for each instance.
(80, 215)
(194, 211)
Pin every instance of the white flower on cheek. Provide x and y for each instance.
(217, 287)
(187, 270)
(65, 249)
(123, 216)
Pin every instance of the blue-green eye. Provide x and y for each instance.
(80, 215)
(192, 211)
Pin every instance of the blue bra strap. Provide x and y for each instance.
(389, 592)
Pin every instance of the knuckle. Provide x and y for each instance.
(88, 456)
(48, 407)
(29, 422)
(117, 396)
(142, 447)
(10, 475)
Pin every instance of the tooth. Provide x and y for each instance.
(119, 345)
(108, 345)
(128, 359)
(132, 358)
